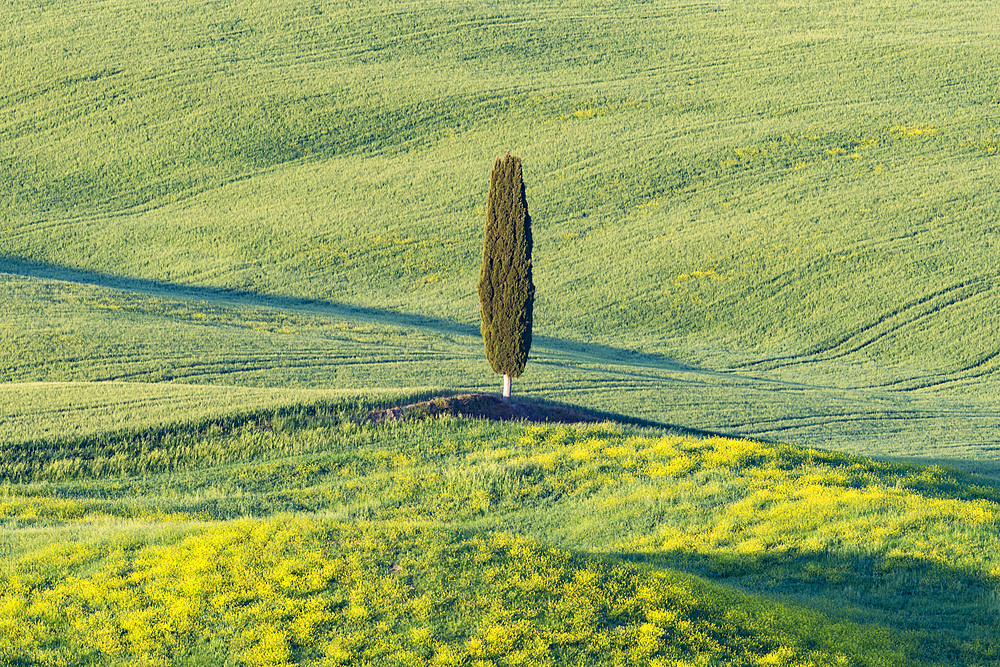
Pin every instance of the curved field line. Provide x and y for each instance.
(289, 359)
(949, 296)
(898, 327)
(966, 373)
(39, 226)
(781, 425)
(104, 407)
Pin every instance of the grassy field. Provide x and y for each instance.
(469, 542)
(773, 221)
(769, 221)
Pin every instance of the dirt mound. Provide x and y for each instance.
(485, 406)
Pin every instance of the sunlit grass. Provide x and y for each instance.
(421, 540)
(294, 591)
(67, 410)
(226, 231)
(801, 194)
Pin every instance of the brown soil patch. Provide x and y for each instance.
(485, 406)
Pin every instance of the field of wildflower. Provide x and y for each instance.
(313, 537)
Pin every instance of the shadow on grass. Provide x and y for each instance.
(519, 408)
(591, 351)
(604, 415)
(21, 462)
(947, 612)
(989, 468)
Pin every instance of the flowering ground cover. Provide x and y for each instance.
(320, 538)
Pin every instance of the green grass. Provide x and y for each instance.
(771, 221)
(42, 412)
(400, 541)
(799, 198)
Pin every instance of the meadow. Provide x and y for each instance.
(227, 230)
(790, 208)
(311, 537)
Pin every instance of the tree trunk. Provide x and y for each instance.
(506, 387)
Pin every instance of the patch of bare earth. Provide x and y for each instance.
(485, 406)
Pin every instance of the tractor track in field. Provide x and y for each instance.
(978, 369)
(779, 424)
(118, 405)
(111, 367)
(228, 368)
(886, 325)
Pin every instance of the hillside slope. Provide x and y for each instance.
(309, 538)
(770, 221)
(231, 232)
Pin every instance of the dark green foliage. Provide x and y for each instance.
(506, 292)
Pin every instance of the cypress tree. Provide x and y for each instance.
(506, 293)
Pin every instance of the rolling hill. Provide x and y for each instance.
(228, 229)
